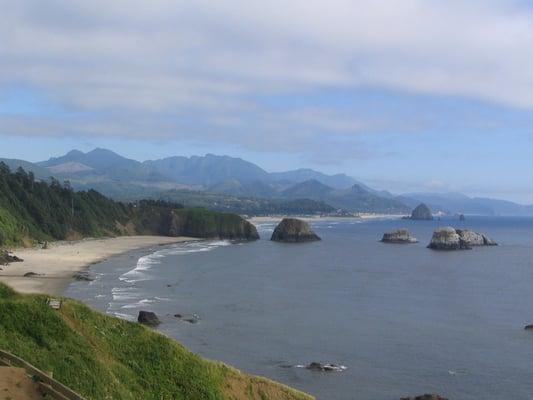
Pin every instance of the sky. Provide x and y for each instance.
(405, 95)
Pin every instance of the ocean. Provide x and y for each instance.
(403, 319)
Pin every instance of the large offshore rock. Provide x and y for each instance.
(458, 239)
(293, 230)
(447, 239)
(398, 236)
(475, 238)
(422, 213)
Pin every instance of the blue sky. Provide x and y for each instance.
(405, 95)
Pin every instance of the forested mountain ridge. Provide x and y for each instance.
(33, 210)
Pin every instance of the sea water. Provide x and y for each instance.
(403, 319)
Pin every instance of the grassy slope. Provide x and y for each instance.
(107, 358)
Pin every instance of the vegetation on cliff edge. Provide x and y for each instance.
(103, 357)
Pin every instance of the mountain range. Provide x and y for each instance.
(123, 178)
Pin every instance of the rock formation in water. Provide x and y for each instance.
(449, 238)
(528, 327)
(148, 318)
(425, 397)
(293, 230)
(399, 236)
(421, 213)
(82, 276)
(328, 367)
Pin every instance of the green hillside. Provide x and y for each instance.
(33, 210)
(102, 357)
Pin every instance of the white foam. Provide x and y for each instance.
(127, 317)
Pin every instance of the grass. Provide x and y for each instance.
(102, 357)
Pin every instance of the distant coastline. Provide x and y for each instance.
(311, 218)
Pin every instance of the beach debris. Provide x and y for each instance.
(82, 276)
(148, 318)
(54, 303)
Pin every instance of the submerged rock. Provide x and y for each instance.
(529, 327)
(148, 318)
(422, 213)
(316, 366)
(293, 230)
(30, 274)
(449, 238)
(399, 236)
(425, 397)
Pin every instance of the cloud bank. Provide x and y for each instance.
(207, 70)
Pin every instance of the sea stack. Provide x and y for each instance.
(293, 230)
(398, 236)
(422, 213)
(449, 238)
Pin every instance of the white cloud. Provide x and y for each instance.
(151, 59)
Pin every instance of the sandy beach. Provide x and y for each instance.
(56, 265)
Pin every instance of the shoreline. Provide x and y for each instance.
(56, 265)
(311, 218)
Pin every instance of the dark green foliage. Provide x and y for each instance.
(247, 205)
(31, 209)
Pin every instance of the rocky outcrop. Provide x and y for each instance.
(7, 257)
(425, 397)
(82, 276)
(148, 318)
(421, 213)
(193, 222)
(399, 236)
(475, 239)
(293, 230)
(458, 239)
(328, 367)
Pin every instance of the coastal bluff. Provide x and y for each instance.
(293, 230)
(449, 238)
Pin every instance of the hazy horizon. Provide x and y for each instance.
(406, 96)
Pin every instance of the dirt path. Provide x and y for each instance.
(16, 385)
